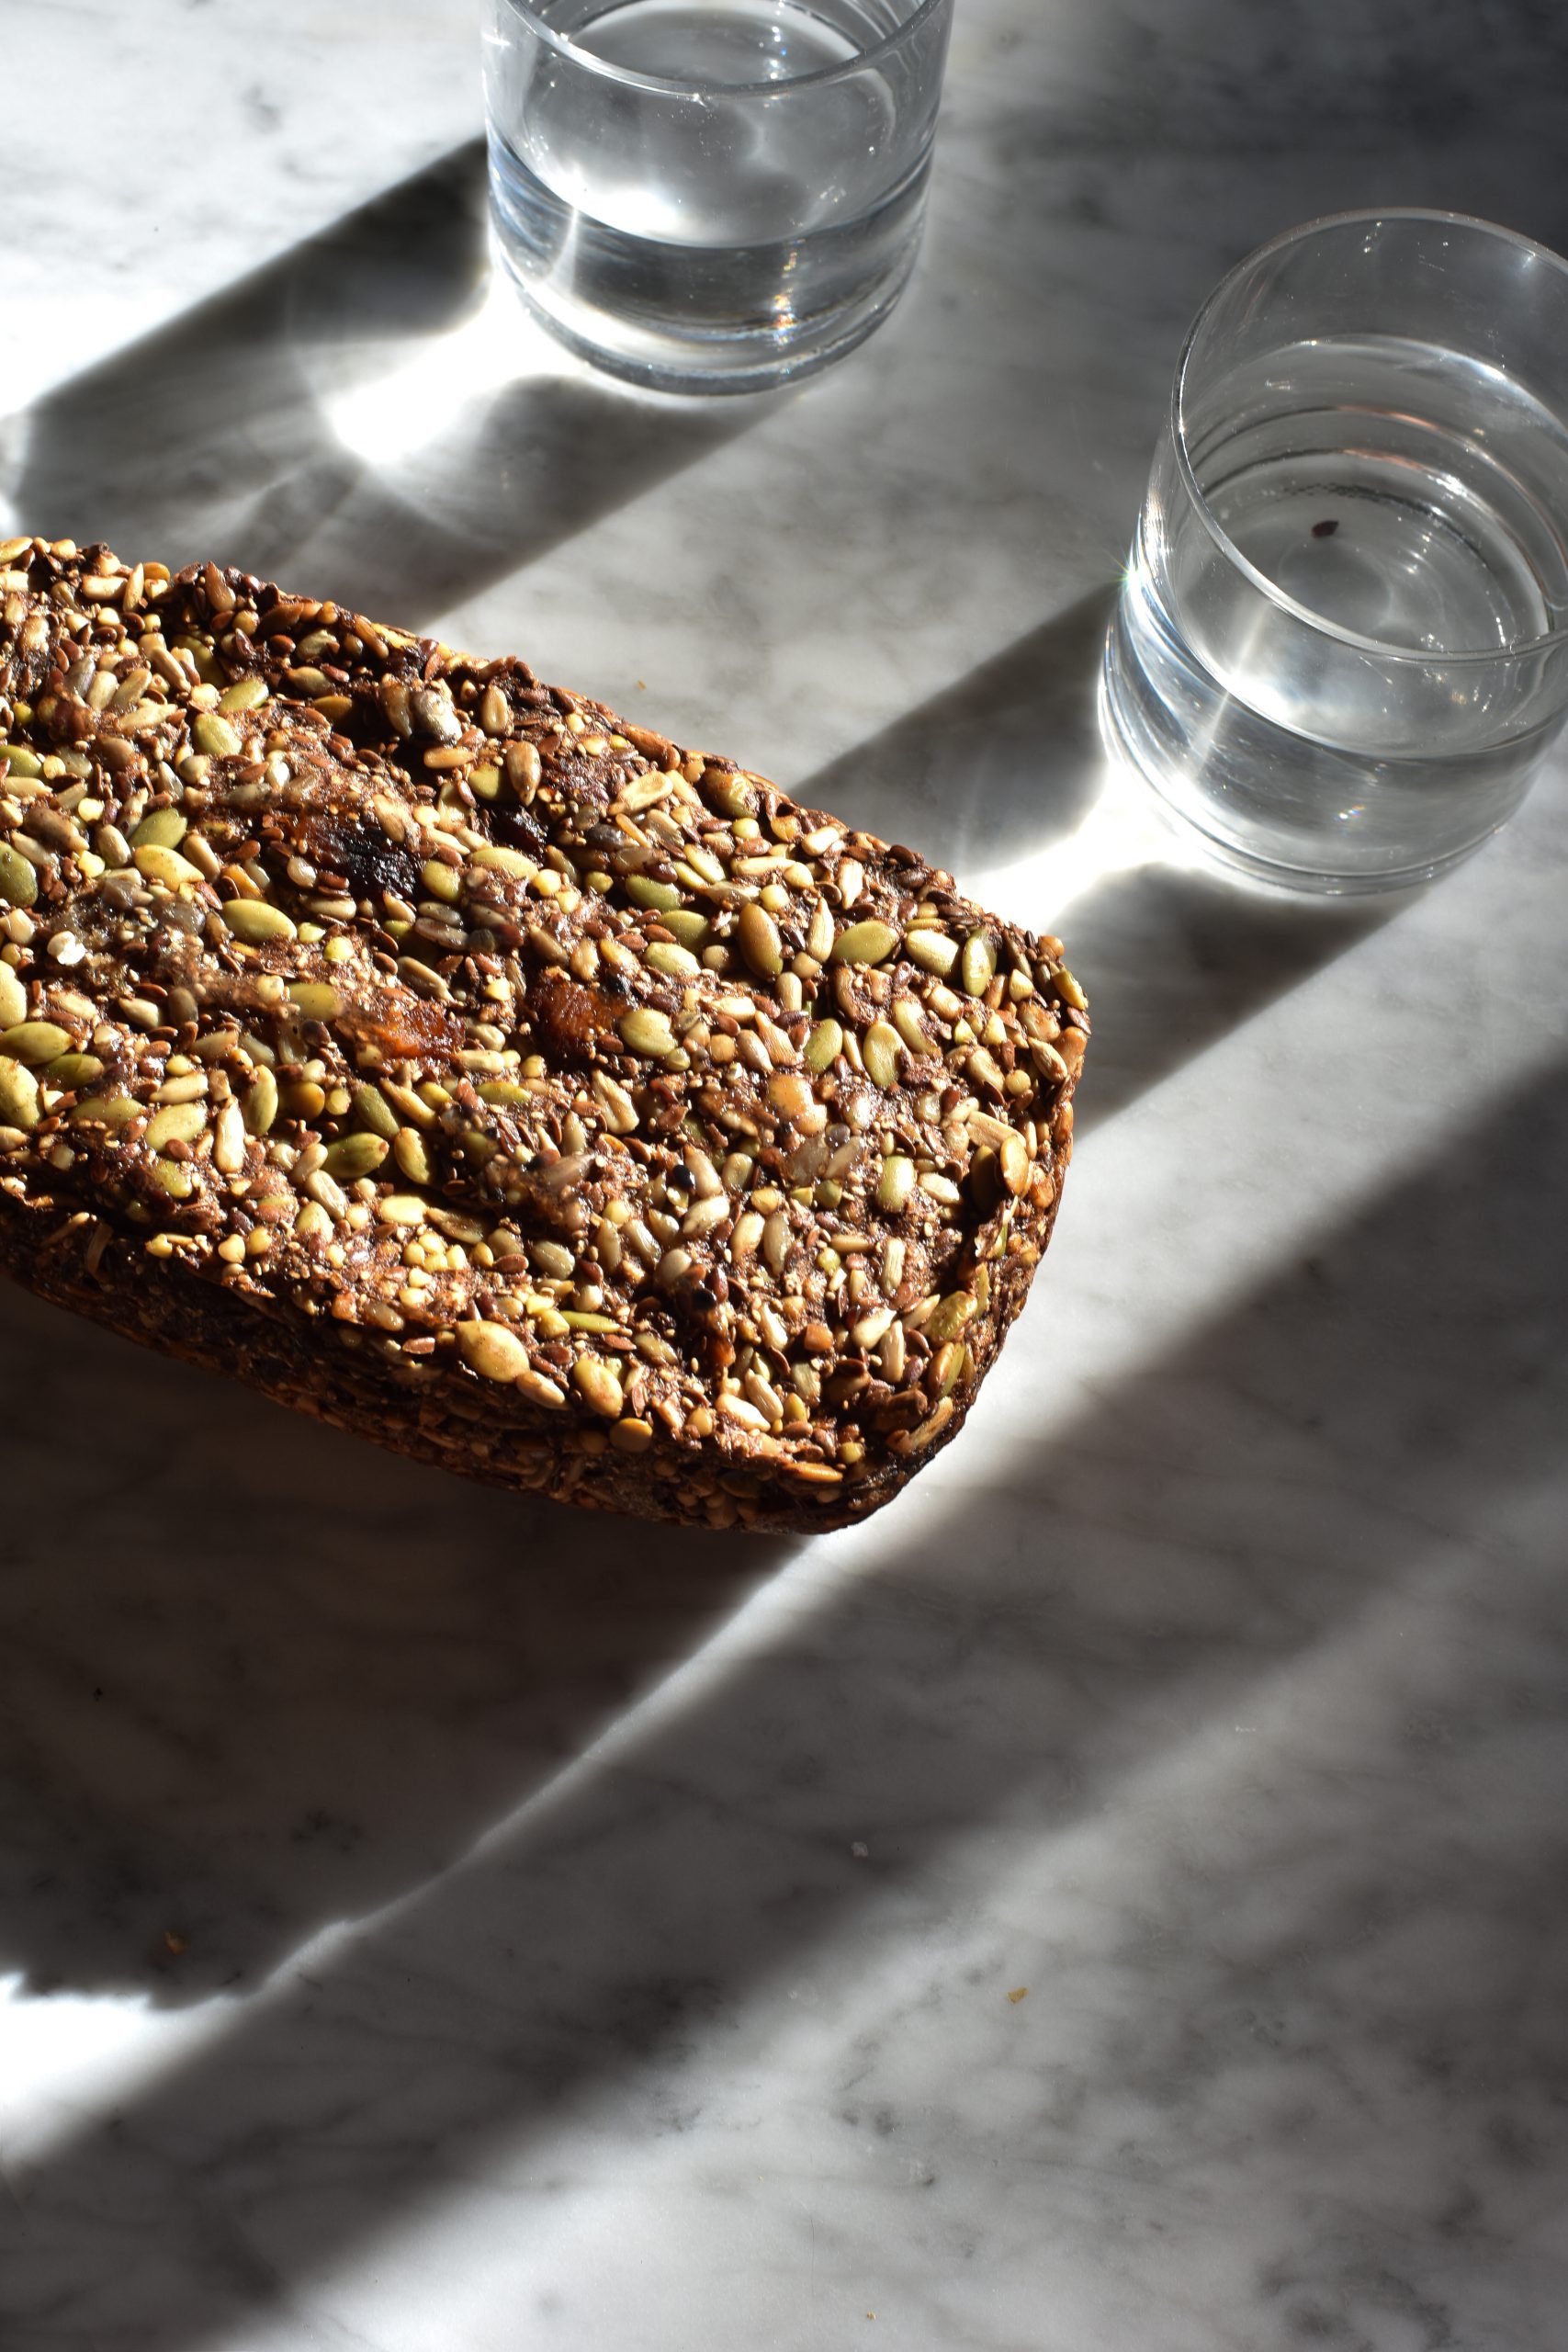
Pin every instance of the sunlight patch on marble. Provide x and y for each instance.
(69, 2060)
(387, 401)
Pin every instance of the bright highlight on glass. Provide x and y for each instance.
(1341, 647)
(712, 195)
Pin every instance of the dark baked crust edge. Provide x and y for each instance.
(329, 1372)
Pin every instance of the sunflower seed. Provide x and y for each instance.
(979, 963)
(895, 1184)
(758, 935)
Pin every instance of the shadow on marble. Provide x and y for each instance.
(1005, 761)
(1008, 761)
(1176, 957)
(257, 1677)
(1340, 1468)
(314, 422)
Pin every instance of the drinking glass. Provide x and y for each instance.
(712, 195)
(1341, 645)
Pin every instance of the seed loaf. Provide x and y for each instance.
(480, 1072)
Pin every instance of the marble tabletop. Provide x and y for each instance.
(1117, 1900)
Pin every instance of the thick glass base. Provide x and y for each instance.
(1279, 807)
(701, 319)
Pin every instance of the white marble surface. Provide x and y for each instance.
(591, 1938)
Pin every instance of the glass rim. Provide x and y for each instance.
(668, 85)
(1270, 589)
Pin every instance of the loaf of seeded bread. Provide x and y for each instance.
(459, 1062)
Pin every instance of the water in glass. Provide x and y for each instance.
(1403, 494)
(694, 228)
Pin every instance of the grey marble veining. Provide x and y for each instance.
(438, 1923)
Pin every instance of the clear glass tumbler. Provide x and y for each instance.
(712, 195)
(1341, 646)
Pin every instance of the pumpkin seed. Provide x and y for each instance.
(950, 1316)
(256, 921)
(164, 867)
(594, 1379)
(74, 1070)
(824, 1045)
(35, 1041)
(646, 892)
(373, 1111)
(261, 1103)
(13, 998)
(214, 736)
(524, 769)
(246, 693)
(729, 793)
(871, 942)
(164, 828)
(400, 1208)
(354, 1156)
(409, 1151)
(646, 1030)
(315, 1000)
(107, 1111)
(19, 1094)
(505, 859)
(176, 1123)
(492, 1350)
(675, 962)
(19, 882)
(906, 1020)
(932, 949)
(879, 1051)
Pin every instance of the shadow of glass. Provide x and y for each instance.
(1133, 1575)
(1175, 957)
(327, 419)
(256, 1677)
(1002, 762)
